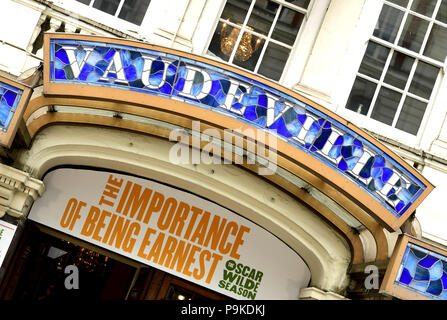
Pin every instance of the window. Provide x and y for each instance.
(129, 10)
(403, 59)
(258, 35)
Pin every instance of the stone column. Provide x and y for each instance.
(18, 191)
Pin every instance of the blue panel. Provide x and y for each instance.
(423, 271)
(9, 99)
(419, 285)
(428, 261)
(435, 287)
(405, 277)
(252, 98)
(436, 271)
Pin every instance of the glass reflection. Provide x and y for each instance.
(134, 10)
(442, 12)
(399, 70)
(413, 33)
(374, 60)
(287, 26)
(262, 16)
(402, 3)
(236, 10)
(410, 117)
(274, 60)
(386, 105)
(107, 6)
(425, 7)
(436, 47)
(361, 96)
(388, 23)
(245, 57)
(424, 80)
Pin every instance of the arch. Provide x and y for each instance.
(325, 250)
(38, 119)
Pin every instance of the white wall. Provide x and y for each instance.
(431, 213)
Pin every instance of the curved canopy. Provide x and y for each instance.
(172, 82)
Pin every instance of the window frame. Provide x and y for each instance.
(105, 18)
(300, 35)
(364, 34)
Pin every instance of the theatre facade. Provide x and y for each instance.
(139, 171)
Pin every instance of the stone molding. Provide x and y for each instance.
(18, 191)
(312, 293)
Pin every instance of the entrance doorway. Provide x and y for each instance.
(49, 265)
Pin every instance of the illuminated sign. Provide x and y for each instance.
(171, 230)
(7, 231)
(417, 270)
(13, 98)
(195, 82)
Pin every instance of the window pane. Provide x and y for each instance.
(386, 105)
(436, 47)
(411, 115)
(442, 13)
(87, 2)
(424, 79)
(413, 33)
(361, 96)
(398, 70)
(388, 24)
(262, 16)
(300, 3)
(374, 60)
(236, 10)
(134, 10)
(287, 26)
(247, 54)
(108, 6)
(403, 3)
(274, 60)
(425, 7)
(223, 41)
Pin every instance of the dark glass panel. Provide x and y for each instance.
(436, 47)
(361, 95)
(425, 7)
(442, 12)
(134, 10)
(236, 10)
(108, 6)
(398, 70)
(287, 26)
(402, 3)
(262, 16)
(386, 105)
(300, 3)
(247, 54)
(411, 115)
(274, 60)
(413, 33)
(374, 60)
(424, 80)
(218, 41)
(388, 23)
